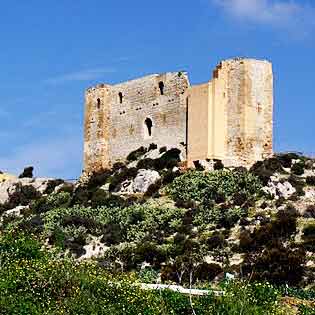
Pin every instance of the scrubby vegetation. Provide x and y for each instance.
(216, 230)
(34, 281)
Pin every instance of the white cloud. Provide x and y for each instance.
(84, 75)
(280, 13)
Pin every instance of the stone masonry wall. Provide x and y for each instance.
(249, 110)
(233, 118)
(119, 126)
(96, 128)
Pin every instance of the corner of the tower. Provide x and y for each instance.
(96, 128)
(248, 93)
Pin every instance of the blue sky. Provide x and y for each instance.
(52, 50)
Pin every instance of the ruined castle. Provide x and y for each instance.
(229, 118)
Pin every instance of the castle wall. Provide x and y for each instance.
(157, 99)
(248, 110)
(234, 115)
(96, 128)
(217, 119)
(198, 126)
(229, 118)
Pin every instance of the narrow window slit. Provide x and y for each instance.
(120, 97)
(161, 87)
(149, 125)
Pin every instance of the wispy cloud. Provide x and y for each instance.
(277, 13)
(84, 75)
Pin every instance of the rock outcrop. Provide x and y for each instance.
(16, 192)
(141, 183)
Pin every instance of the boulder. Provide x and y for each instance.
(141, 183)
(276, 188)
(94, 248)
(19, 191)
(16, 212)
(64, 187)
(144, 179)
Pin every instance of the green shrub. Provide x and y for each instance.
(298, 168)
(225, 217)
(117, 166)
(134, 223)
(277, 264)
(162, 150)
(102, 198)
(49, 202)
(218, 165)
(168, 160)
(146, 164)
(264, 169)
(98, 179)
(136, 154)
(298, 184)
(152, 146)
(204, 187)
(309, 231)
(153, 189)
(309, 212)
(286, 159)
(310, 180)
(34, 281)
(124, 174)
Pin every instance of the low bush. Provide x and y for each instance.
(218, 165)
(153, 190)
(204, 187)
(310, 180)
(152, 146)
(298, 184)
(146, 164)
(168, 176)
(309, 231)
(309, 212)
(286, 159)
(102, 198)
(136, 154)
(168, 160)
(124, 174)
(264, 169)
(298, 168)
(162, 150)
(46, 203)
(34, 281)
(117, 166)
(224, 216)
(277, 264)
(98, 179)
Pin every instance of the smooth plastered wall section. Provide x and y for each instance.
(198, 124)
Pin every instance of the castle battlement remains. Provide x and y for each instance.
(229, 118)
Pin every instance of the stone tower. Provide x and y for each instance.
(228, 118)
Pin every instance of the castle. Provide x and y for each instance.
(229, 118)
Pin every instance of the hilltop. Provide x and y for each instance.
(151, 218)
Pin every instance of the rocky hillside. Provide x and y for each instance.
(167, 224)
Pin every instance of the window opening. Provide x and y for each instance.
(120, 97)
(149, 125)
(161, 87)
